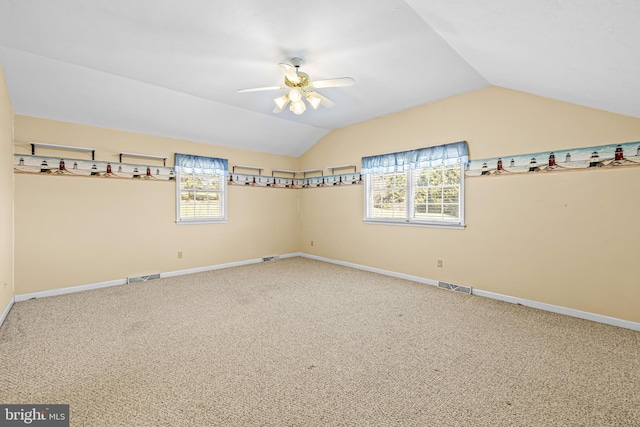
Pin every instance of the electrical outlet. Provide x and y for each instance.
(179, 254)
(312, 243)
(439, 263)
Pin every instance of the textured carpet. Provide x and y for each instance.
(298, 342)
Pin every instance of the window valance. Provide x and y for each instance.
(198, 164)
(448, 154)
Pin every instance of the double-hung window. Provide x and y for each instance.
(201, 189)
(421, 187)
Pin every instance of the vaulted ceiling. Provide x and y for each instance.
(172, 68)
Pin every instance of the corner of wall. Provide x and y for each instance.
(7, 274)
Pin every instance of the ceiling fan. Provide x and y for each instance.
(299, 87)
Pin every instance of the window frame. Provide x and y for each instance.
(411, 164)
(221, 176)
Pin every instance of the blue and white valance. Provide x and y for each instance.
(448, 154)
(189, 163)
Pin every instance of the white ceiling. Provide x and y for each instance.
(172, 68)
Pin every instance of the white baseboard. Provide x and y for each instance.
(373, 269)
(69, 290)
(210, 268)
(80, 288)
(6, 310)
(515, 300)
(600, 318)
(219, 266)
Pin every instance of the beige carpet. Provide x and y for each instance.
(298, 342)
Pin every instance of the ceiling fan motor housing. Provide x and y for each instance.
(304, 81)
(297, 62)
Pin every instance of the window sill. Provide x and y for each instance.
(416, 224)
(202, 221)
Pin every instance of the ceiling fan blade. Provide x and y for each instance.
(337, 82)
(324, 101)
(290, 72)
(258, 89)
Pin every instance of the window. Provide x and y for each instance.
(201, 189)
(423, 187)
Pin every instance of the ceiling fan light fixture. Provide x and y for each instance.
(295, 95)
(282, 101)
(298, 107)
(314, 100)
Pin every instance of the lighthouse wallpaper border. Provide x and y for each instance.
(602, 156)
(43, 165)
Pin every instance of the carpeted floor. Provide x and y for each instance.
(298, 342)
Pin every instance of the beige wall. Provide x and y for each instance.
(73, 231)
(6, 196)
(568, 239)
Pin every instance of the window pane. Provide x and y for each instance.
(186, 181)
(200, 181)
(420, 211)
(451, 194)
(388, 195)
(214, 210)
(389, 211)
(452, 176)
(186, 204)
(400, 180)
(377, 211)
(451, 212)
(186, 196)
(434, 211)
(435, 195)
(186, 211)
(202, 197)
(422, 179)
(378, 197)
(379, 182)
(435, 176)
